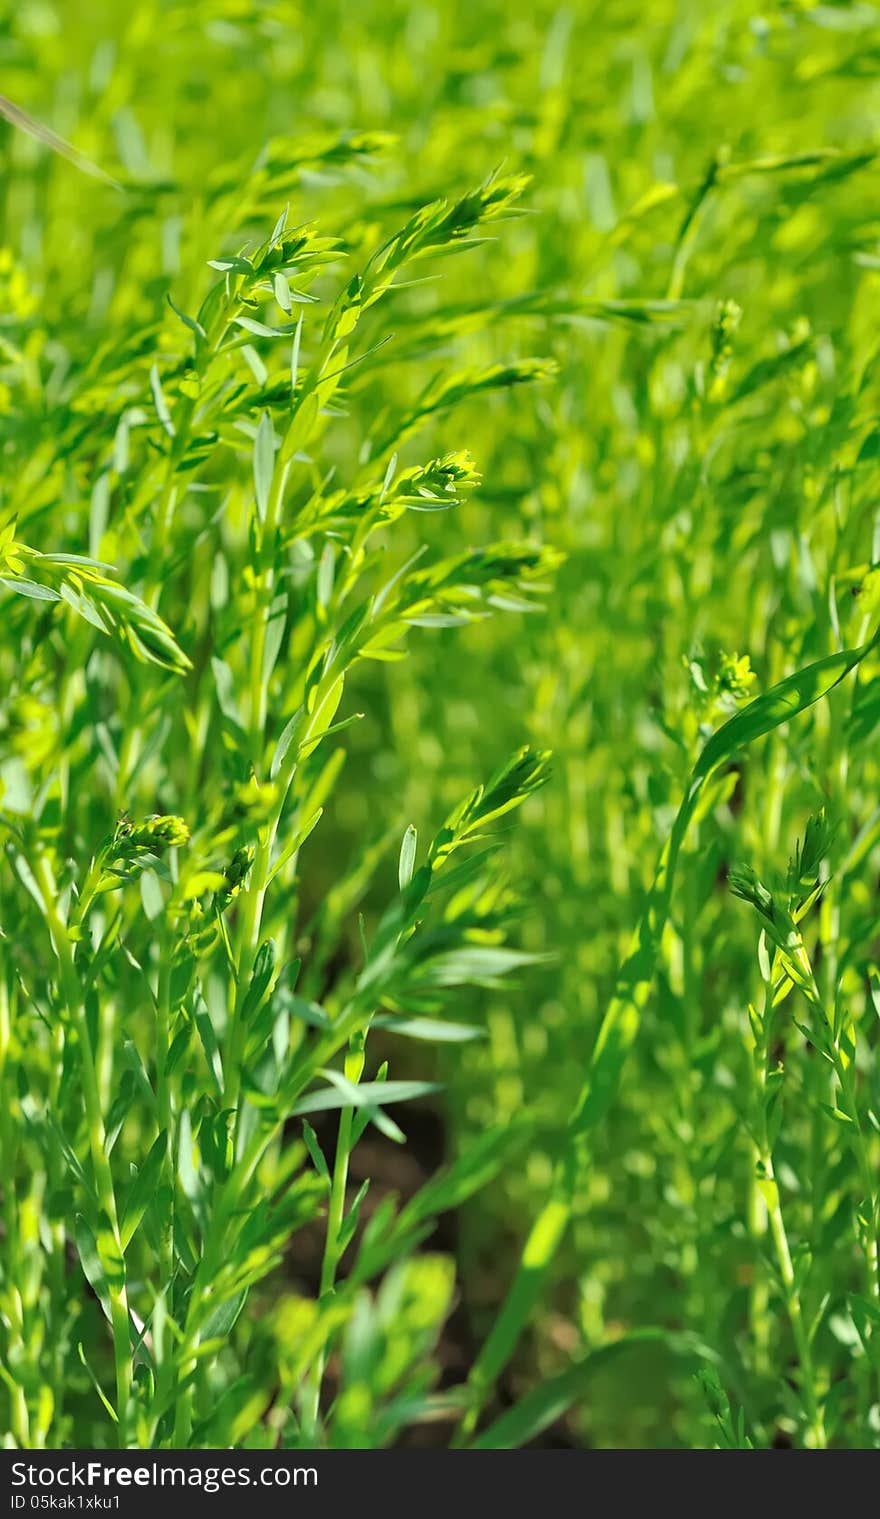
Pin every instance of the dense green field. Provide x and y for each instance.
(445, 396)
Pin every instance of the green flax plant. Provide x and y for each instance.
(161, 1059)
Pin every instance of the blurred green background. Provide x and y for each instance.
(690, 489)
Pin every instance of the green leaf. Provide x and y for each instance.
(30, 588)
(264, 464)
(282, 293)
(434, 1030)
(208, 1038)
(261, 977)
(92, 1265)
(162, 409)
(222, 1320)
(344, 1094)
(96, 1384)
(779, 705)
(143, 1190)
(195, 327)
(260, 330)
(315, 1151)
(407, 857)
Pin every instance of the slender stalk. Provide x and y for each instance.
(97, 1137)
(354, 1066)
(165, 1123)
(15, 1328)
(253, 897)
(757, 1219)
(815, 1435)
